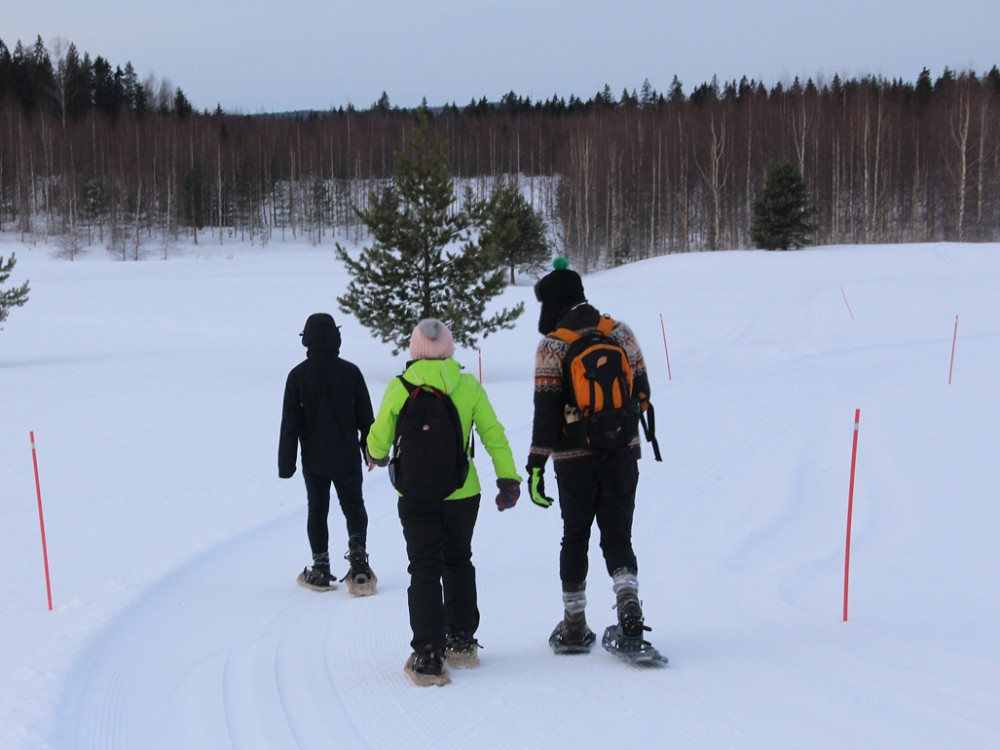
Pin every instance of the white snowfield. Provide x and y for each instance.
(154, 391)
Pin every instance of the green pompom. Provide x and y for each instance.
(560, 263)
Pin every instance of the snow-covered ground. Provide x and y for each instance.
(154, 389)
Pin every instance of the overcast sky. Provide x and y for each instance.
(264, 56)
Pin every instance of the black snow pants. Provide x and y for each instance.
(442, 594)
(602, 489)
(348, 488)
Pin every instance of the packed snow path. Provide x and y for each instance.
(178, 623)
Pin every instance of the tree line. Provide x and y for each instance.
(616, 178)
(74, 85)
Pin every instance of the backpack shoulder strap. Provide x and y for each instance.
(604, 326)
(566, 335)
(411, 389)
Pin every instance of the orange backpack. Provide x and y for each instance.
(601, 412)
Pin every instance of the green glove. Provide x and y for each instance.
(537, 485)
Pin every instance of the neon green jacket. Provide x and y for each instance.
(473, 407)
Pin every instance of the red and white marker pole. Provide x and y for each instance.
(850, 511)
(41, 520)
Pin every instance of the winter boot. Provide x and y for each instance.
(461, 650)
(426, 667)
(317, 576)
(360, 578)
(428, 661)
(624, 639)
(630, 617)
(359, 570)
(626, 588)
(571, 635)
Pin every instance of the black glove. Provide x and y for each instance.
(286, 473)
(536, 485)
(510, 491)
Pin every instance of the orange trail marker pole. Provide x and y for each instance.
(664, 330)
(850, 510)
(41, 520)
(844, 295)
(954, 339)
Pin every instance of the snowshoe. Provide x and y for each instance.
(360, 578)
(632, 649)
(572, 639)
(317, 578)
(461, 651)
(360, 583)
(426, 669)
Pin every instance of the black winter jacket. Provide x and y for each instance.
(326, 407)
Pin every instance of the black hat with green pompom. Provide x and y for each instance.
(558, 290)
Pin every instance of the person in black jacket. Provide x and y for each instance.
(328, 411)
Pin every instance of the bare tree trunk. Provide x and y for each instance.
(960, 135)
(138, 212)
(715, 178)
(981, 158)
(219, 192)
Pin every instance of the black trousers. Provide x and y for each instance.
(442, 594)
(601, 489)
(348, 488)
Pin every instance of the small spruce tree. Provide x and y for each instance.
(514, 232)
(422, 261)
(781, 212)
(12, 297)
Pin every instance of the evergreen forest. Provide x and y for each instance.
(89, 154)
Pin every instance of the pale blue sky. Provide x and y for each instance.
(259, 55)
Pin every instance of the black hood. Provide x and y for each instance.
(321, 333)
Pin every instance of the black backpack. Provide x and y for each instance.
(429, 456)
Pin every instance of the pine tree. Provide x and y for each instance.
(422, 262)
(514, 232)
(781, 212)
(12, 297)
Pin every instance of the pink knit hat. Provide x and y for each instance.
(431, 340)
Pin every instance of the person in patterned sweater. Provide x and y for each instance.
(592, 485)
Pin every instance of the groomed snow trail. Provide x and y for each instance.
(739, 531)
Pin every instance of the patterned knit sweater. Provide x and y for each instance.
(548, 438)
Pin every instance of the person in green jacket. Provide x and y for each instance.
(444, 613)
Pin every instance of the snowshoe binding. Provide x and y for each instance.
(625, 640)
(462, 651)
(570, 637)
(360, 578)
(631, 648)
(426, 668)
(317, 578)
